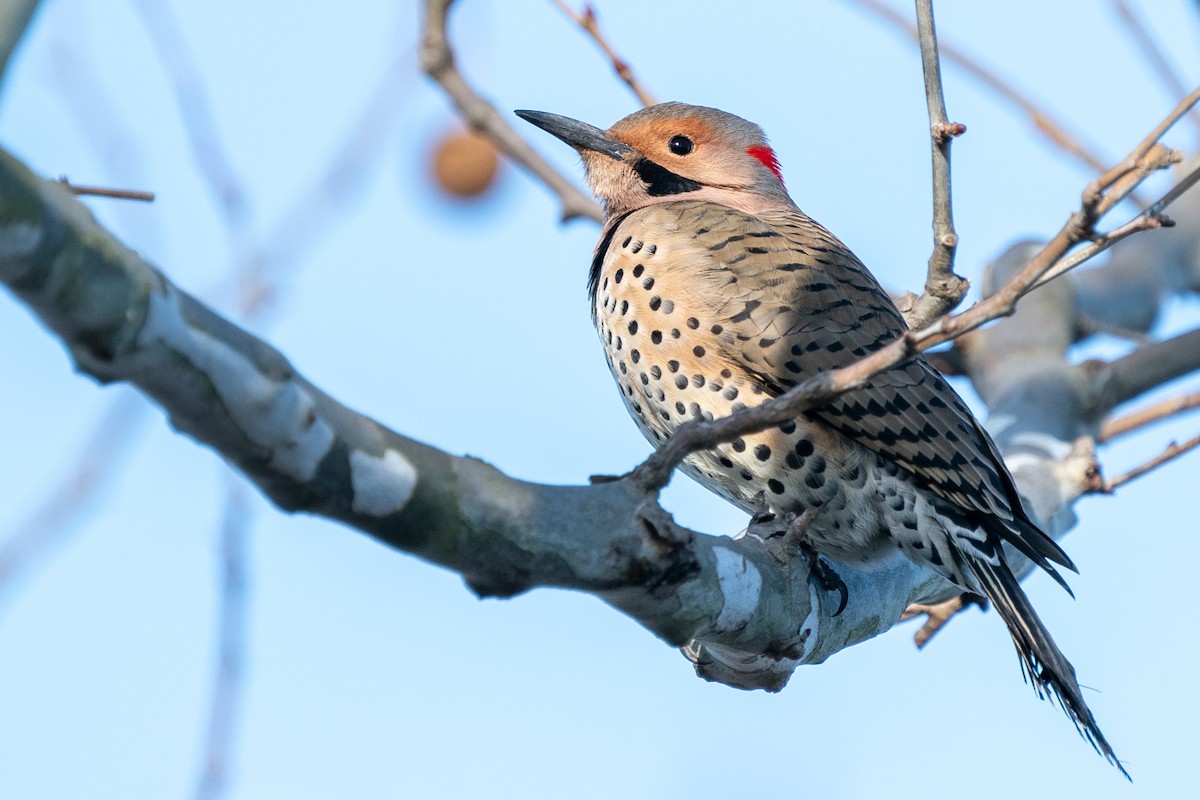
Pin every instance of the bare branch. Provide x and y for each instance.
(587, 21)
(15, 17)
(95, 469)
(1127, 377)
(1045, 123)
(1172, 452)
(1136, 420)
(100, 191)
(943, 289)
(228, 686)
(126, 321)
(1153, 53)
(437, 61)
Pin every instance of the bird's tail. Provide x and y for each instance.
(1043, 663)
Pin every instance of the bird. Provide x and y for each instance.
(712, 291)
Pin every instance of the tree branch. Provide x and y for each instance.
(1128, 377)
(1152, 52)
(749, 620)
(1042, 120)
(1172, 452)
(943, 289)
(587, 21)
(437, 61)
(1136, 420)
(15, 16)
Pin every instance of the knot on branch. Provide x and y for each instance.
(942, 131)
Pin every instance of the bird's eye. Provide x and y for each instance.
(680, 145)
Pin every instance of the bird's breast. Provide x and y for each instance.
(671, 356)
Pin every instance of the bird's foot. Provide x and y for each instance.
(938, 614)
(826, 577)
(762, 511)
(784, 543)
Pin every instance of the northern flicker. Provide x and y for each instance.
(713, 291)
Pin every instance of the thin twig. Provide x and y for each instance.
(437, 61)
(200, 124)
(1053, 129)
(1152, 51)
(101, 191)
(587, 21)
(92, 472)
(943, 289)
(228, 686)
(697, 435)
(1136, 420)
(1172, 452)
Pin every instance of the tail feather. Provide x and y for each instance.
(1043, 663)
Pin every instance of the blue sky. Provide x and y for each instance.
(371, 674)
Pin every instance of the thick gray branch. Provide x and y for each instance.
(15, 16)
(748, 620)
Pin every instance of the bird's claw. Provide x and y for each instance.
(825, 577)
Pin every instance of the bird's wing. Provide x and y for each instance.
(794, 301)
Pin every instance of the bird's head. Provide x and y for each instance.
(674, 151)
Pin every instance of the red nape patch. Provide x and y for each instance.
(767, 156)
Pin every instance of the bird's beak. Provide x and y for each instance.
(578, 134)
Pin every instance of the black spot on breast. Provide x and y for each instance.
(625, 243)
(804, 448)
(656, 337)
(635, 355)
(633, 326)
(762, 452)
(788, 427)
(620, 274)
(680, 382)
(717, 329)
(624, 307)
(775, 486)
(698, 351)
(814, 480)
(656, 372)
(738, 445)
(638, 270)
(731, 393)
(693, 323)
(655, 302)
(673, 365)
(648, 284)
(697, 380)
